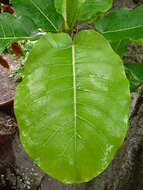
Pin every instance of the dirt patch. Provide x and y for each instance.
(124, 3)
(12, 61)
(7, 86)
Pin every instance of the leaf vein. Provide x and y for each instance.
(47, 18)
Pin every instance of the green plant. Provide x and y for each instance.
(72, 106)
(18, 73)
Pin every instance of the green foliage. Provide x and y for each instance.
(14, 29)
(30, 16)
(122, 24)
(3, 45)
(26, 46)
(18, 73)
(74, 110)
(81, 10)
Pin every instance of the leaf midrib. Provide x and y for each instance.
(75, 103)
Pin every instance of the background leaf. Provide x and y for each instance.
(41, 12)
(12, 28)
(69, 10)
(122, 24)
(75, 101)
(31, 17)
(92, 7)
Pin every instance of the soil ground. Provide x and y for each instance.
(7, 124)
(7, 86)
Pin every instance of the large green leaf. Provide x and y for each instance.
(122, 24)
(72, 107)
(91, 7)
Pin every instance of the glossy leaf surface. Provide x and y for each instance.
(122, 24)
(72, 107)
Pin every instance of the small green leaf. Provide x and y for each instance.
(122, 24)
(73, 115)
(69, 10)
